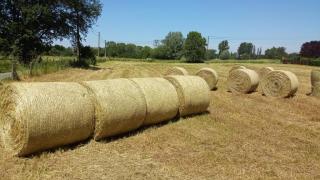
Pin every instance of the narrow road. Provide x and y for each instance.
(5, 75)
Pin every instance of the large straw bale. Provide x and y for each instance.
(161, 98)
(177, 71)
(316, 90)
(280, 84)
(236, 68)
(243, 81)
(210, 76)
(40, 116)
(315, 77)
(120, 106)
(193, 92)
(264, 71)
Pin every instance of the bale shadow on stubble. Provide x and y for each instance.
(73, 146)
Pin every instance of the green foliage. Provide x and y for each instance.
(223, 46)
(27, 28)
(173, 44)
(211, 54)
(87, 57)
(276, 53)
(58, 50)
(246, 51)
(224, 55)
(195, 47)
(128, 50)
(159, 52)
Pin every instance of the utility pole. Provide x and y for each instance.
(98, 44)
(105, 49)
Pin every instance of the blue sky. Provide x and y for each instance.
(265, 23)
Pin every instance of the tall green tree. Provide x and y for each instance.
(173, 44)
(246, 50)
(82, 14)
(28, 27)
(195, 47)
(223, 46)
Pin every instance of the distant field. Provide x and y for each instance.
(244, 136)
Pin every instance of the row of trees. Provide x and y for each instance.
(174, 46)
(27, 29)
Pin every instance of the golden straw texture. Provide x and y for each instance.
(120, 106)
(264, 71)
(210, 76)
(177, 71)
(243, 81)
(40, 116)
(316, 90)
(280, 84)
(193, 92)
(315, 77)
(236, 68)
(161, 97)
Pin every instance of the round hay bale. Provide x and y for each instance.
(316, 90)
(40, 116)
(161, 98)
(236, 68)
(210, 76)
(193, 93)
(315, 77)
(243, 81)
(264, 71)
(177, 71)
(120, 106)
(280, 84)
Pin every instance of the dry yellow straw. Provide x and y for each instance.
(264, 71)
(316, 90)
(280, 84)
(315, 77)
(193, 92)
(161, 98)
(177, 71)
(236, 68)
(210, 76)
(40, 116)
(243, 81)
(120, 106)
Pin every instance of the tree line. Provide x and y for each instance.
(193, 49)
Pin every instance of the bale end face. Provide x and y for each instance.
(243, 81)
(13, 132)
(280, 84)
(40, 116)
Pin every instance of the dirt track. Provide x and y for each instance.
(243, 136)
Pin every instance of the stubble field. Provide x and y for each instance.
(243, 136)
